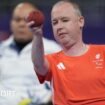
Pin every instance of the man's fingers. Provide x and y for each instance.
(29, 24)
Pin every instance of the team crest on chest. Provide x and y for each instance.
(98, 60)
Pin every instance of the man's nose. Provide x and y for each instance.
(60, 26)
(22, 23)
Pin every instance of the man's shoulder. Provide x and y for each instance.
(97, 46)
(7, 42)
(54, 55)
(5, 46)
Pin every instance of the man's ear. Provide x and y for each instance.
(81, 21)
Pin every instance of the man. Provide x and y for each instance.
(77, 73)
(18, 82)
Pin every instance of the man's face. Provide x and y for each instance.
(19, 28)
(67, 25)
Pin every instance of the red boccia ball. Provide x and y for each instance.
(37, 17)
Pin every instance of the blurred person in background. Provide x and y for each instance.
(17, 76)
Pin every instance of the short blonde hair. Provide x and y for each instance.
(75, 6)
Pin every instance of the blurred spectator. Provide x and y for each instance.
(18, 82)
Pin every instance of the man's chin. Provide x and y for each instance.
(22, 40)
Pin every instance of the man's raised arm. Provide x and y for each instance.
(40, 63)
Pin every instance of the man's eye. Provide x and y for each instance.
(54, 22)
(65, 20)
(17, 19)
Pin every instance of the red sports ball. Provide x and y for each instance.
(37, 17)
